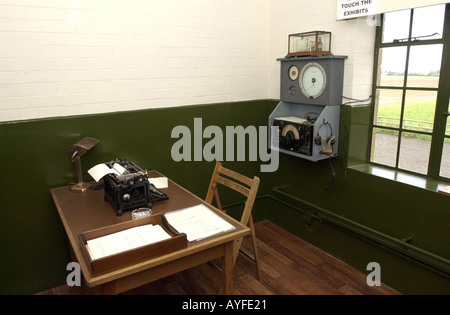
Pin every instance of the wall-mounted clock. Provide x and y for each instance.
(313, 80)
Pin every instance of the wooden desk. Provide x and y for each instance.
(81, 212)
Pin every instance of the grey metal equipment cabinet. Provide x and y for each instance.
(308, 114)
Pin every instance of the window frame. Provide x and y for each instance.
(442, 101)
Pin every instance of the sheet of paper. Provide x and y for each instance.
(119, 168)
(98, 171)
(125, 240)
(198, 222)
(445, 190)
(159, 182)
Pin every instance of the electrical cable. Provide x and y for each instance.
(333, 176)
(355, 100)
(333, 181)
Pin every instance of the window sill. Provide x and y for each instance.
(418, 181)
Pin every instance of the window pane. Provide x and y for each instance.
(391, 66)
(428, 21)
(419, 110)
(447, 127)
(396, 26)
(384, 146)
(424, 66)
(414, 152)
(388, 105)
(445, 162)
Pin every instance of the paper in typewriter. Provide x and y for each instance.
(125, 240)
(99, 171)
(198, 222)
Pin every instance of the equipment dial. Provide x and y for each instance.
(289, 135)
(292, 91)
(313, 80)
(293, 73)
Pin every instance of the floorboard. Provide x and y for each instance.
(290, 266)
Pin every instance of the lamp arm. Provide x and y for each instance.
(79, 171)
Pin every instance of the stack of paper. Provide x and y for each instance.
(198, 222)
(125, 240)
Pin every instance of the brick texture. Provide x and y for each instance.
(62, 58)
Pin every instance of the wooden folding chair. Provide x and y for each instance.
(247, 187)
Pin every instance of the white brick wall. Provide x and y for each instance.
(61, 58)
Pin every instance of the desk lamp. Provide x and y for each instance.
(76, 151)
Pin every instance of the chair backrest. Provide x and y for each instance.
(238, 182)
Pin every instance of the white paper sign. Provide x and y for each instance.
(347, 9)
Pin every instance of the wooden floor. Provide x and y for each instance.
(290, 266)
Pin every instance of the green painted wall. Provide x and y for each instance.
(34, 158)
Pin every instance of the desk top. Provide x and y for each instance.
(82, 212)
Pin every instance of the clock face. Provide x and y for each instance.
(313, 80)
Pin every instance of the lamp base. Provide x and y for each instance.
(80, 187)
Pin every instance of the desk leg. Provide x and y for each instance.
(227, 269)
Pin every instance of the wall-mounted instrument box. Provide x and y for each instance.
(308, 114)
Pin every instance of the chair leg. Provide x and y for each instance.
(255, 247)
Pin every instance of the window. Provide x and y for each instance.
(410, 128)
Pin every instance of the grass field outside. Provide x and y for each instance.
(419, 109)
(418, 115)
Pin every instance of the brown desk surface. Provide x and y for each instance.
(81, 212)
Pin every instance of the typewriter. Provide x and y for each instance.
(131, 189)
